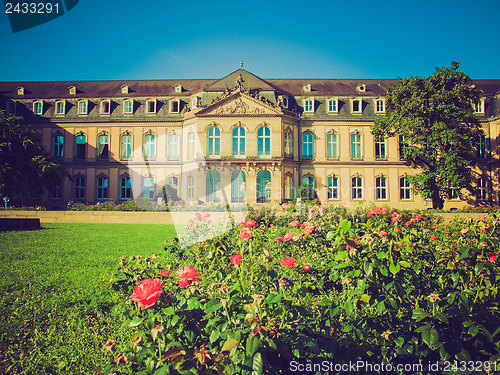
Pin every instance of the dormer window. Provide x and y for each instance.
(128, 107)
(38, 108)
(178, 88)
(361, 87)
(175, 106)
(306, 87)
(105, 107)
(82, 107)
(72, 90)
(151, 106)
(332, 105)
(309, 105)
(11, 108)
(380, 106)
(124, 89)
(60, 107)
(194, 102)
(356, 106)
(479, 107)
(20, 90)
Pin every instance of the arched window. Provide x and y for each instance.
(357, 188)
(213, 141)
(239, 141)
(263, 187)
(307, 146)
(238, 194)
(264, 141)
(213, 186)
(149, 187)
(333, 187)
(288, 144)
(380, 188)
(82, 107)
(332, 147)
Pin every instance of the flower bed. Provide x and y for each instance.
(276, 293)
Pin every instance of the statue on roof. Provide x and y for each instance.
(239, 82)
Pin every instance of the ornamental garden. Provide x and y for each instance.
(274, 293)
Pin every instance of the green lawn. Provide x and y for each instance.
(55, 311)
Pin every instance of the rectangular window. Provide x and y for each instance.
(128, 108)
(380, 106)
(151, 106)
(333, 188)
(356, 106)
(483, 189)
(58, 147)
(357, 188)
(404, 189)
(288, 145)
(125, 188)
(380, 148)
(81, 145)
(333, 106)
(356, 146)
(479, 107)
(380, 188)
(80, 188)
(82, 107)
(126, 147)
(105, 107)
(309, 105)
(102, 187)
(149, 187)
(60, 108)
(482, 147)
(149, 147)
(174, 106)
(331, 146)
(57, 192)
(103, 147)
(190, 187)
(38, 108)
(307, 146)
(190, 151)
(173, 147)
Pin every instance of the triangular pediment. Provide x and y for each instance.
(240, 78)
(239, 104)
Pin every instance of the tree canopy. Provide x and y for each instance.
(437, 131)
(25, 166)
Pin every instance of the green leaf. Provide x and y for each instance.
(429, 336)
(405, 264)
(341, 255)
(349, 307)
(442, 318)
(473, 330)
(252, 345)
(229, 344)
(273, 298)
(368, 267)
(257, 364)
(163, 370)
(212, 305)
(418, 315)
(394, 268)
(214, 336)
(136, 321)
(478, 268)
(329, 235)
(345, 226)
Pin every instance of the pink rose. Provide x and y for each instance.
(147, 292)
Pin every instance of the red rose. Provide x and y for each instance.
(165, 273)
(288, 262)
(251, 223)
(147, 292)
(287, 236)
(307, 267)
(236, 259)
(245, 234)
(492, 257)
(433, 238)
(187, 275)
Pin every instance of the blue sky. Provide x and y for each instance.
(100, 40)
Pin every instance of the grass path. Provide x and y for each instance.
(54, 311)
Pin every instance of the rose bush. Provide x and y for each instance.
(343, 286)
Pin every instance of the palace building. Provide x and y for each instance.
(237, 139)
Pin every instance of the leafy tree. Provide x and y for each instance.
(25, 165)
(437, 130)
(306, 193)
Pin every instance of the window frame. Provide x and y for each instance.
(329, 106)
(128, 107)
(148, 104)
(239, 142)
(307, 146)
(213, 179)
(264, 142)
(213, 142)
(357, 188)
(332, 146)
(483, 188)
(380, 148)
(105, 107)
(190, 148)
(103, 147)
(360, 104)
(86, 103)
(126, 148)
(149, 146)
(60, 108)
(149, 191)
(190, 187)
(58, 146)
(102, 191)
(479, 107)
(482, 147)
(381, 191)
(38, 108)
(263, 186)
(404, 189)
(173, 146)
(171, 104)
(333, 188)
(79, 188)
(309, 105)
(125, 189)
(288, 144)
(238, 187)
(78, 146)
(356, 145)
(380, 105)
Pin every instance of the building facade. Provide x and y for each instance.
(239, 139)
